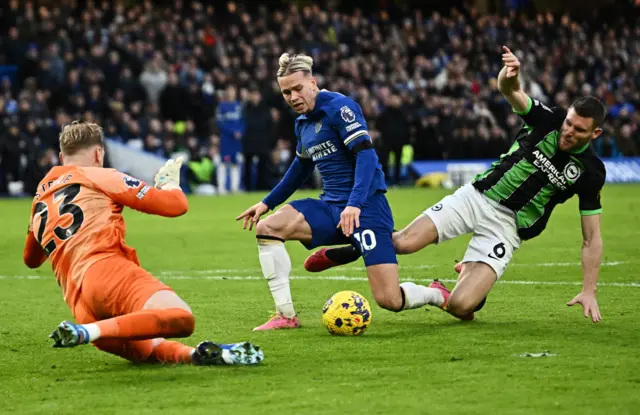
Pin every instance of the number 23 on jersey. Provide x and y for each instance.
(63, 203)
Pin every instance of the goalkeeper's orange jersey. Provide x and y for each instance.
(76, 220)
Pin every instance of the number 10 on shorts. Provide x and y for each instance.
(366, 239)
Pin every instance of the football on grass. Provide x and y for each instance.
(346, 313)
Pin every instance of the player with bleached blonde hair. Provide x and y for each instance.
(332, 137)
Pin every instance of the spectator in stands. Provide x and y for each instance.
(257, 141)
(154, 79)
(134, 66)
(626, 142)
(13, 145)
(231, 125)
(394, 126)
(37, 167)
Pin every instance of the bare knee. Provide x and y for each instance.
(278, 224)
(269, 227)
(475, 282)
(462, 304)
(389, 300)
(286, 224)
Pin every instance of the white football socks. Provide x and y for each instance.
(93, 330)
(418, 295)
(221, 172)
(276, 267)
(235, 178)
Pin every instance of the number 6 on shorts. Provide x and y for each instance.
(499, 251)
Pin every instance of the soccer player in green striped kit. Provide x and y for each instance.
(550, 161)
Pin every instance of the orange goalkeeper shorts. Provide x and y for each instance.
(113, 287)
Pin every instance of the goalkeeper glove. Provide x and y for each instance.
(168, 177)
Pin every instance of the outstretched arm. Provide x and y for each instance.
(591, 260)
(169, 203)
(532, 111)
(295, 176)
(591, 252)
(509, 83)
(136, 194)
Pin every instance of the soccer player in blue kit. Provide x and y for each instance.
(231, 125)
(332, 136)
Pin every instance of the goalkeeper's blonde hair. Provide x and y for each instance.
(294, 63)
(79, 136)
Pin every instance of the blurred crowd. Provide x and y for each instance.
(189, 77)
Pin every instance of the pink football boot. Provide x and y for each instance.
(279, 322)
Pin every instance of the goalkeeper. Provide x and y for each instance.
(76, 222)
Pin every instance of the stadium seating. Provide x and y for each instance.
(153, 76)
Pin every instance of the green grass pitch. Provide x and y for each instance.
(417, 362)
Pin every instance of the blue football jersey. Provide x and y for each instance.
(327, 136)
(229, 119)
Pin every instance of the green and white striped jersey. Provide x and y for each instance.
(535, 175)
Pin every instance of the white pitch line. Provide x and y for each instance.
(341, 278)
(542, 264)
(567, 264)
(405, 267)
(350, 278)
